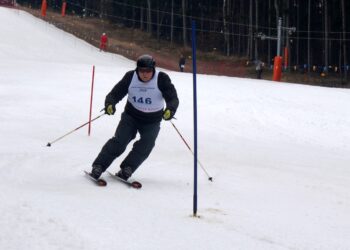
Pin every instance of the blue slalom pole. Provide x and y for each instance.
(194, 65)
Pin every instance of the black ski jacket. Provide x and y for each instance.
(120, 90)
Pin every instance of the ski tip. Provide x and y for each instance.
(101, 183)
(136, 185)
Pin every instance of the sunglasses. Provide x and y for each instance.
(145, 70)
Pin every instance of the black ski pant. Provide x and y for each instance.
(125, 133)
(258, 74)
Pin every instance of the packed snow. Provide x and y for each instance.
(279, 155)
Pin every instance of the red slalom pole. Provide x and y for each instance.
(92, 94)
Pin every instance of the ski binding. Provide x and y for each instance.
(99, 182)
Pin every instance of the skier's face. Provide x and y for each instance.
(145, 74)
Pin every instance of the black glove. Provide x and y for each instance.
(109, 109)
(168, 114)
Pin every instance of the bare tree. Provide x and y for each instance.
(298, 27)
(269, 34)
(149, 17)
(250, 35)
(241, 20)
(158, 22)
(102, 8)
(225, 7)
(340, 53)
(256, 28)
(308, 36)
(231, 11)
(86, 12)
(184, 23)
(325, 35)
(141, 17)
(160, 17)
(344, 38)
(172, 23)
(133, 16)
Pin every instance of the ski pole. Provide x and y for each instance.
(59, 138)
(188, 146)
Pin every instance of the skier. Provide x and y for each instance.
(103, 42)
(182, 62)
(147, 89)
(259, 69)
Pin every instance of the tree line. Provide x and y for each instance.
(235, 27)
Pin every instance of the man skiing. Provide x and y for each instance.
(147, 89)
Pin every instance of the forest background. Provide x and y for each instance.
(229, 33)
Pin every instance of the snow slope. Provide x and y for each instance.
(279, 154)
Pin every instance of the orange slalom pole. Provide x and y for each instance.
(43, 8)
(277, 68)
(64, 6)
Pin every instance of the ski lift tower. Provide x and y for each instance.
(277, 66)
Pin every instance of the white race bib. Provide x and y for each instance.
(145, 96)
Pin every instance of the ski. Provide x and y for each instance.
(133, 184)
(99, 182)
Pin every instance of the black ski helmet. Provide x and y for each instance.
(146, 61)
